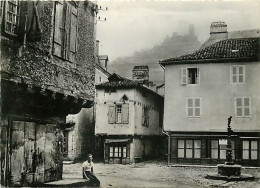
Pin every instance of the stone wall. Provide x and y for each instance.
(34, 63)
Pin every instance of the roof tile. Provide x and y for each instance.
(230, 48)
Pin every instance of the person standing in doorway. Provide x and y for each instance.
(88, 172)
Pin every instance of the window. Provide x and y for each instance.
(111, 152)
(237, 74)
(193, 107)
(1, 9)
(189, 148)
(145, 116)
(218, 151)
(243, 106)
(117, 151)
(12, 16)
(118, 113)
(250, 149)
(124, 151)
(65, 30)
(190, 76)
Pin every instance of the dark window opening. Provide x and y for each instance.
(192, 76)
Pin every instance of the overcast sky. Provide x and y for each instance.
(136, 25)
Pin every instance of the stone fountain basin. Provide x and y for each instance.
(230, 173)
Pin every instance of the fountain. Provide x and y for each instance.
(229, 171)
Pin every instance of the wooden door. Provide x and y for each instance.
(17, 153)
(29, 152)
(39, 150)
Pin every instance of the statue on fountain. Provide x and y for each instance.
(230, 171)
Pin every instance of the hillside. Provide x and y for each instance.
(175, 45)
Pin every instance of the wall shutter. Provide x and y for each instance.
(125, 113)
(73, 34)
(184, 76)
(198, 76)
(143, 116)
(67, 31)
(111, 114)
(58, 29)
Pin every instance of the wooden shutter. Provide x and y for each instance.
(111, 114)
(67, 31)
(125, 113)
(58, 29)
(198, 76)
(184, 76)
(73, 34)
(143, 115)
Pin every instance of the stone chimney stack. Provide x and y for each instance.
(141, 74)
(218, 30)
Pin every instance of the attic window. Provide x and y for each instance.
(233, 51)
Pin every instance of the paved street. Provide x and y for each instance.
(151, 174)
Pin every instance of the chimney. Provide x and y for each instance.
(141, 74)
(218, 30)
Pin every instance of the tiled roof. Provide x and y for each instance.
(246, 49)
(231, 35)
(117, 81)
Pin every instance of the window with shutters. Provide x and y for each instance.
(237, 74)
(190, 76)
(250, 149)
(11, 16)
(65, 30)
(243, 106)
(193, 107)
(189, 148)
(118, 113)
(145, 116)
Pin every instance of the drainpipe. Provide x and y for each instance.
(169, 147)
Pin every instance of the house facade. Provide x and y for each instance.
(47, 72)
(202, 90)
(128, 121)
(79, 135)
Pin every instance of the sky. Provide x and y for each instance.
(138, 25)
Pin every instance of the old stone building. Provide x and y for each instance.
(47, 72)
(128, 119)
